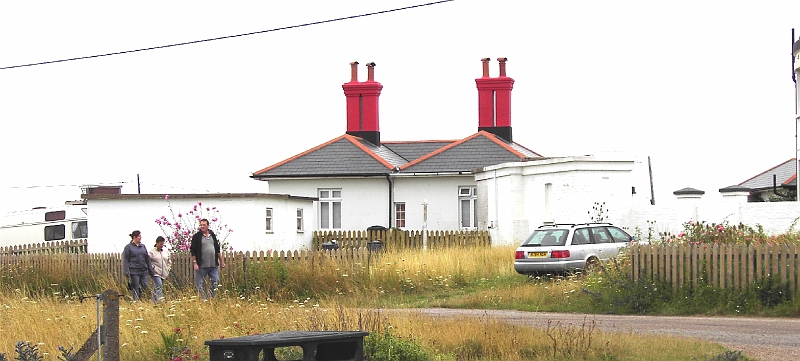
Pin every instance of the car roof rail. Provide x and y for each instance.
(575, 224)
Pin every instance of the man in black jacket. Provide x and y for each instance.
(206, 259)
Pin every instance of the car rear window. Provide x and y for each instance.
(547, 237)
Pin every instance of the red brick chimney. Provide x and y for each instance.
(362, 104)
(494, 101)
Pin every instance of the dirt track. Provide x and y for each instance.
(763, 339)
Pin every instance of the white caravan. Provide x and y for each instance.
(40, 225)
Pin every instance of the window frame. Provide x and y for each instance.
(51, 232)
(400, 215)
(471, 196)
(268, 220)
(331, 199)
(300, 221)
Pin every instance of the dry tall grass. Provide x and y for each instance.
(53, 321)
(269, 302)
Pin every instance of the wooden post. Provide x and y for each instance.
(109, 331)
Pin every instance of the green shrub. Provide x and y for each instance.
(386, 347)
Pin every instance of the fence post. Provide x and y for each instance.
(109, 331)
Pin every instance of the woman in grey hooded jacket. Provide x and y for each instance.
(159, 259)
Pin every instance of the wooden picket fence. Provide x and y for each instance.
(394, 239)
(723, 266)
(55, 247)
(109, 265)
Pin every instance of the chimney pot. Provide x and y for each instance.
(485, 62)
(354, 71)
(371, 71)
(502, 66)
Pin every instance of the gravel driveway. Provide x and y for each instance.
(763, 339)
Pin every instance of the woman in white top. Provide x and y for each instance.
(159, 259)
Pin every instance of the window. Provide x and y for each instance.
(55, 216)
(400, 215)
(330, 208)
(581, 236)
(299, 219)
(80, 230)
(268, 220)
(618, 234)
(54, 233)
(600, 235)
(467, 196)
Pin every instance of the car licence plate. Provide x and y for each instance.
(537, 254)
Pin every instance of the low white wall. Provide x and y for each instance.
(112, 220)
(774, 217)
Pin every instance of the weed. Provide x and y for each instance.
(27, 351)
(571, 340)
(600, 213)
(727, 356)
(67, 355)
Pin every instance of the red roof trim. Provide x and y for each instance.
(790, 179)
(459, 142)
(323, 145)
(767, 171)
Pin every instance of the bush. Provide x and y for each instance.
(386, 347)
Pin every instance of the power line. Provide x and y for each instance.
(228, 36)
(65, 185)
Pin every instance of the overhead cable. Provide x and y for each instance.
(226, 37)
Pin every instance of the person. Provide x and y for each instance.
(206, 259)
(136, 264)
(159, 259)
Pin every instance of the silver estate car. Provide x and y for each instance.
(569, 247)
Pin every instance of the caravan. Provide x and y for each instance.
(40, 225)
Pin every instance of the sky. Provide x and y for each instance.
(703, 88)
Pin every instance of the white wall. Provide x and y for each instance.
(441, 193)
(365, 201)
(516, 200)
(521, 196)
(112, 220)
(774, 217)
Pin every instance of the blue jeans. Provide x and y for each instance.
(200, 281)
(158, 287)
(138, 282)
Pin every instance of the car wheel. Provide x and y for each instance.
(593, 266)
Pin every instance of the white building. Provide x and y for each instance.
(259, 222)
(517, 197)
(362, 182)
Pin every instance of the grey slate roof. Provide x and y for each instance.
(785, 174)
(471, 154)
(411, 151)
(353, 156)
(339, 157)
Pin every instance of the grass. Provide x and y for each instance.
(46, 309)
(147, 330)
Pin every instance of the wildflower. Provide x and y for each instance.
(177, 329)
(166, 197)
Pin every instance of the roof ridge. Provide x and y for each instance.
(358, 144)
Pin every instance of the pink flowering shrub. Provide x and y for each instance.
(179, 228)
(724, 233)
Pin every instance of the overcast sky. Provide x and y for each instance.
(702, 87)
